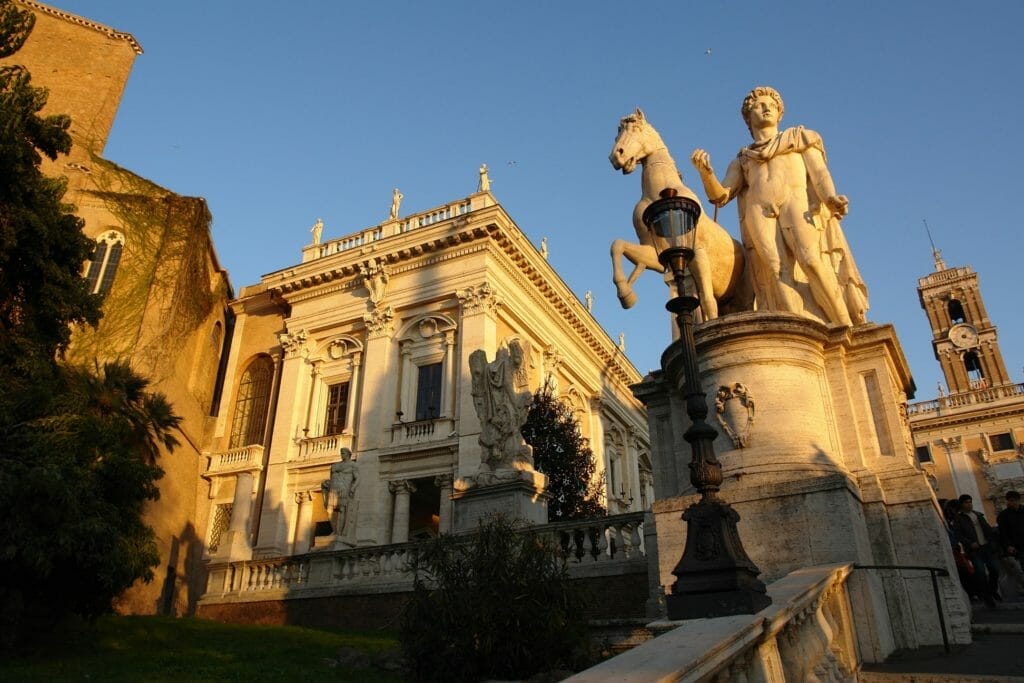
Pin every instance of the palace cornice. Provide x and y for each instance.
(977, 414)
(346, 264)
(479, 230)
(81, 21)
(525, 271)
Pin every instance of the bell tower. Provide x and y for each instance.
(964, 339)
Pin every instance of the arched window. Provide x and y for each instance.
(105, 259)
(974, 372)
(956, 311)
(251, 403)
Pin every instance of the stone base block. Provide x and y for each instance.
(707, 605)
(515, 500)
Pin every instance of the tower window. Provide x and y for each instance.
(974, 372)
(923, 454)
(956, 312)
(105, 259)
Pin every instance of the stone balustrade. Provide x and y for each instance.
(322, 447)
(420, 431)
(390, 228)
(966, 398)
(600, 545)
(808, 633)
(241, 459)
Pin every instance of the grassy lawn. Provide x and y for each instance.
(165, 649)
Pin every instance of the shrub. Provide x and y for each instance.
(499, 604)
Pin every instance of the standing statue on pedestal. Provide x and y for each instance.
(317, 230)
(396, 203)
(340, 497)
(502, 411)
(789, 215)
(485, 181)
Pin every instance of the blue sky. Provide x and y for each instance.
(282, 113)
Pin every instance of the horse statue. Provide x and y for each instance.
(717, 264)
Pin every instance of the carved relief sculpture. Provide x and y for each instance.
(734, 407)
(375, 276)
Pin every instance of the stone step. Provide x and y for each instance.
(879, 677)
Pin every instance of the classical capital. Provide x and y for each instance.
(481, 298)
(400, 486)
(302, 497)
(379, 322)
(293, 342)
(444, 481)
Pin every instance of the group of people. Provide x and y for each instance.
(982, 552)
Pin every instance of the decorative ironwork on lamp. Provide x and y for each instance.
(714, 577)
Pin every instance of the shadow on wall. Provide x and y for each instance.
(192, 580)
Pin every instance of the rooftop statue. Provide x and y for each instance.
(396, 203)
(502, 410)
(717, 264)
(789, 215)
(317, 230)
(485, 180)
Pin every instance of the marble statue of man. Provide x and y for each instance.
(396, 203)
(340, 491)
(485, 180)
(589, 298)
(317, 230)
(789, 216)
(544, 247)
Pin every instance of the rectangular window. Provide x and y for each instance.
(337, 408)
(923, 454)
(1001, 442)
(428, 392)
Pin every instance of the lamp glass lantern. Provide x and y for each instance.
(672, 221)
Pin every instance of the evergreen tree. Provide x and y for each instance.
(42, 247)
(77, 445)
(561, 453)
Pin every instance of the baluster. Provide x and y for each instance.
(637, 539)
(602, 544)
(620, 543)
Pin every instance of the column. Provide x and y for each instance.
(408, 401)
(310, 428)
(304, 523)
(353, 393)
(450, 382)
(402, 489)
(235, 545)
(444, 482)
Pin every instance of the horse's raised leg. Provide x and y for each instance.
(701, 269)
(642, 256)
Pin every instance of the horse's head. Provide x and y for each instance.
(636, 139)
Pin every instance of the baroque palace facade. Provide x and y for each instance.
(365, 345)
(362, 345)
(970, 439)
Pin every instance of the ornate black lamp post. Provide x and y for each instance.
(714, 577)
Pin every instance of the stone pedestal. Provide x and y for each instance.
(817, 461)
(517, 499)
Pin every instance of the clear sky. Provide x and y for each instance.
(280, 113)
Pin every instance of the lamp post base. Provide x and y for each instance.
(714, 577)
